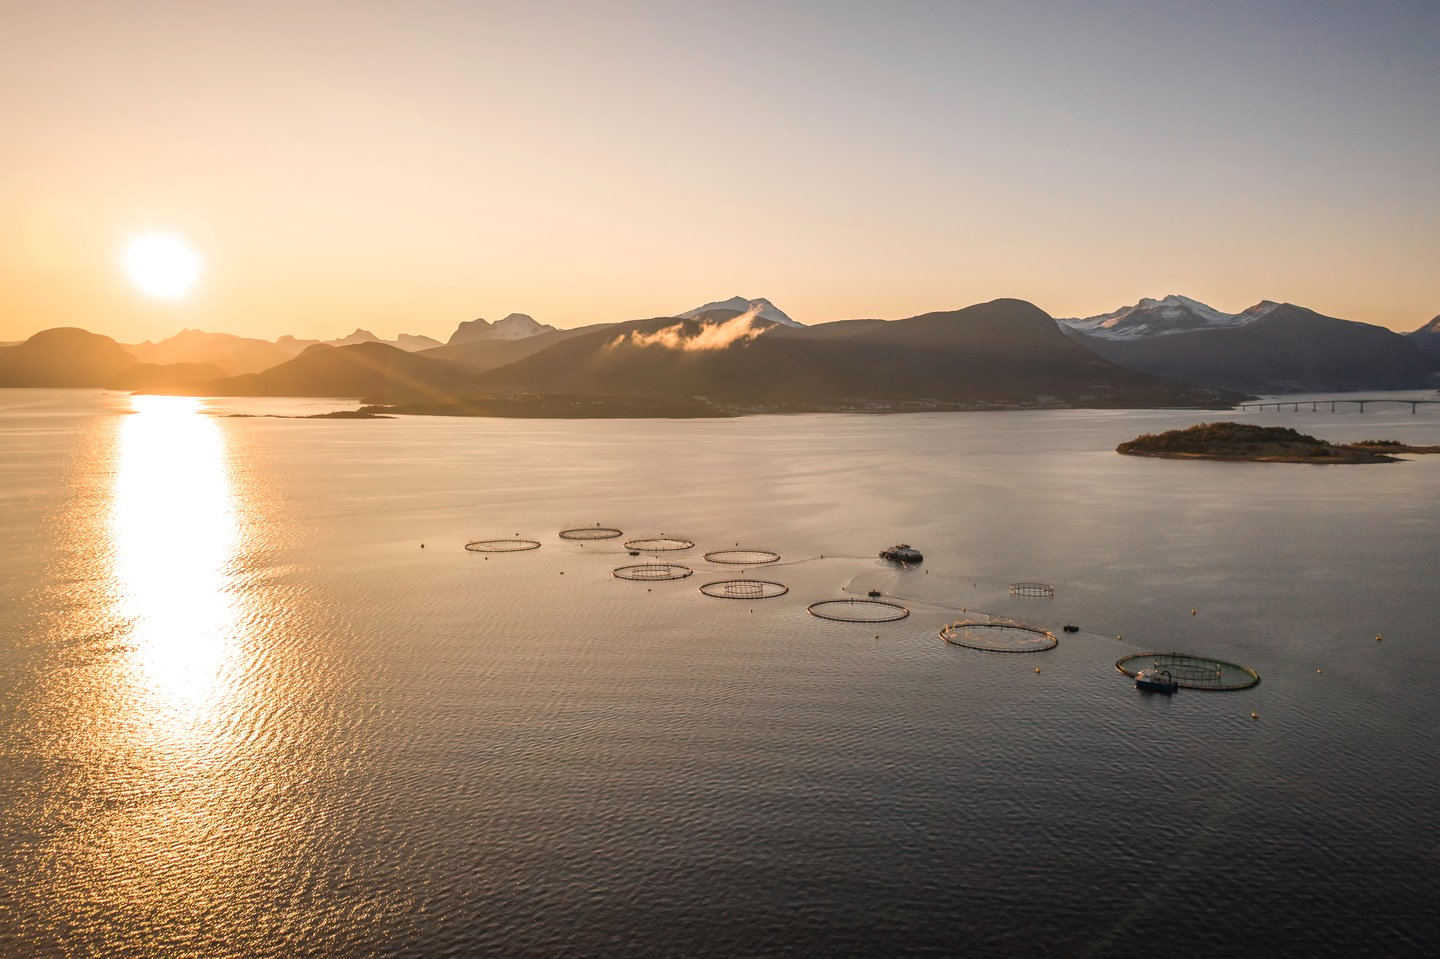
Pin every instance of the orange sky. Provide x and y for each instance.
(405, 167)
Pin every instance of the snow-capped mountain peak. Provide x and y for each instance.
(517, 326)
(738, 304)
(1171, 314)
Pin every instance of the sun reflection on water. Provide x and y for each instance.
(174, 539)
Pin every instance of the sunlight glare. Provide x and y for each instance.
(174, 533)
(162, 265)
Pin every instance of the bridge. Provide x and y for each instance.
(1315, 405)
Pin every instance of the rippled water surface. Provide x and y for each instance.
(258, 700)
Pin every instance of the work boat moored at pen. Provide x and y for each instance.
(903, 553)
(1156, 681)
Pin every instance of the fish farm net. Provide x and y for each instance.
(744, 589)
(501, 545)
(1038, 590)
(743, 557)
(1192, 672)
(590, 532)
(652, 572)
(999, 637)
(659, 544)
(858, 610)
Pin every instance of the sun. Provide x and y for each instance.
(162, 265)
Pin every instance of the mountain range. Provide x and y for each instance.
(235, 355)
(1173, 314)
(1267, 348)
(742, 355)
(1428, 337)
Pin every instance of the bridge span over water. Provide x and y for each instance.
(1316, 405)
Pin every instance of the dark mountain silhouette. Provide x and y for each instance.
(487, 354)
(235, 355)
(232, 354)
(1428, 338)
(148, 377)
(415, 342)
(1288, 349)
(372, 370)
(1002, 353)
(409, 342)
(63, 357)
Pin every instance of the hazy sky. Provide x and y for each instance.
(405, 166)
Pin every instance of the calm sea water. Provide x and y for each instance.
(245, 713)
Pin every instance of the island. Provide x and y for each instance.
(1262, 444)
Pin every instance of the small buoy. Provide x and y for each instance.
(1192, 612)
(877, 635)
(1378, 637)
(562, 572)
(1119, 637)
(1319, 670)
(1037, 669)
(422, 545)
(1254, 715)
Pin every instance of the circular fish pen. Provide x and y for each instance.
(744, 589)
(1192, 672)
(659, 544)
(858, 610)
(999, 637)
(501, 545)
(591, 532)
(651, 572)
(742, 557)
(1035, 590)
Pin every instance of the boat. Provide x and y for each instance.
(902, 553)
(1156, 681)
(1070, 628)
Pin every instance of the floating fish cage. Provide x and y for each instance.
(742, 557)
(1036, 590)
(652, 572)
(501, 545)
(744, 589)
(591, 532)
(998, 636)
(1192, 672)
(659, 544)
(858, 610)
